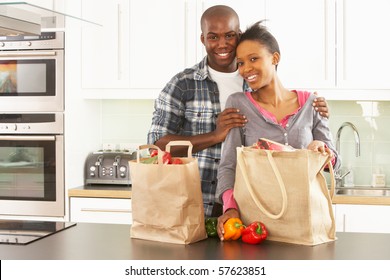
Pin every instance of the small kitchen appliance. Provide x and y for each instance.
(108, 167)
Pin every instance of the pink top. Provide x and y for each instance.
(302, 98)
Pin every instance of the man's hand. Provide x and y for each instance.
(228, 119)
(321, 106)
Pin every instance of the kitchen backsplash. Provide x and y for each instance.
(128, 121)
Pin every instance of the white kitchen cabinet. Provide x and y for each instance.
(140, 46)
(305, 31)
(332, 44)
(335, 47)
(100, 210)
(363, 55)
(105, 49)
(362, 218)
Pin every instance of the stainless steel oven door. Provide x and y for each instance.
(32, 175)
(32, 80)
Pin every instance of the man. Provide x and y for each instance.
(191, 105)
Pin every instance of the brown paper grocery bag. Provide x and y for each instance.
(287, 192)
(167, 203)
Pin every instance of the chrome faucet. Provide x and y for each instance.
(338, 176)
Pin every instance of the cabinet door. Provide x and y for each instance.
(100, 210)
(362, 43)
(363, 218)
(105, 49)
(158, 41)
(304, 30)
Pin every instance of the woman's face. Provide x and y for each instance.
(256, 64)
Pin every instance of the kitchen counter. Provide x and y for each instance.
(113, 242)
(366, 200)
(103, 191)
(114, 191)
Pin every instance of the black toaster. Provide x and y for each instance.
(108, 168)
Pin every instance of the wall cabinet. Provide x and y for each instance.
(139, 46)
(100, 210)
(104, 49)
(363, 55)
(336, 47)
(305, 31)
(332, 44)
(362, 218)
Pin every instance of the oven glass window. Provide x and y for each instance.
(27, 77)
(27, 170)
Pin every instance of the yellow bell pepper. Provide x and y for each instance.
(232, 229)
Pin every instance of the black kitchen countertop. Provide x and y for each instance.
(112, 242)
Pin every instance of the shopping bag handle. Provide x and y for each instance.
(150, 146)
(282, 187)
(332, 177)
(167, 148)
(180, 143)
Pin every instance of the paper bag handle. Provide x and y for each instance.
(150, 146)
(180, 143)
(282, 187)
(167, 148)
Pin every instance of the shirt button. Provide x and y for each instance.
(198, 114)
(287, 125)
(216, 160)
(286, 144)
(213, 182)
(285, 134)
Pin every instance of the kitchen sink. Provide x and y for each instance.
(363, 192)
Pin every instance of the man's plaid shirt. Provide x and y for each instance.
(189, 105)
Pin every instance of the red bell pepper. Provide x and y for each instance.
(167, 158)
(255, 233)
(154, 153)
(177, 161)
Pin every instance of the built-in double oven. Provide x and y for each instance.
(32, 125)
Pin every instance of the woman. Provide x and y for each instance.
(273, 112)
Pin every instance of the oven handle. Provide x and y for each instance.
(24, 54)
(27, 138)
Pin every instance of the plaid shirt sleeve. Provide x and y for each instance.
(168, 112)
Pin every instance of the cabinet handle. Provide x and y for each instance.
(344, 222)
(105, 210)
(119, 11)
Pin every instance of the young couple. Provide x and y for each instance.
(239, 69)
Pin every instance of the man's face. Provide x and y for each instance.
(220, 35)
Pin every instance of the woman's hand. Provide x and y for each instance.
(319, 146)
(230, 213)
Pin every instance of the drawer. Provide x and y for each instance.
(100, 210)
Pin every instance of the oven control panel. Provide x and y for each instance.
(45, 41)
(14, 123)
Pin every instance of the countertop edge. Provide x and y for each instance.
(366, 200)
(100, 192)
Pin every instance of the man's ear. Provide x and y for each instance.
(202, 38)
